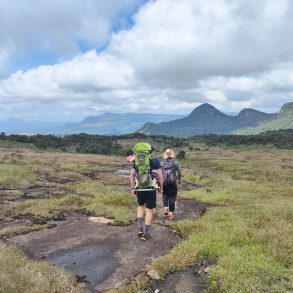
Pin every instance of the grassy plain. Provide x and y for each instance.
(245, 238)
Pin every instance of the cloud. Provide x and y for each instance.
(176, 55)
(4, 60)
(59, 30)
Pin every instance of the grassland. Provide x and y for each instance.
(245, 238)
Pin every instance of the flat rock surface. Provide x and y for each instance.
(105, 256)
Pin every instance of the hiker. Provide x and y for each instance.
(172, 174)
(143, 186)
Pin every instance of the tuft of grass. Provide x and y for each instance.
(18, 274)
(13, 176)
(23, 229)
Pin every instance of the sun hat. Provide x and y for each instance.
(168, 153)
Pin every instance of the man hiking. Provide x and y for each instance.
(143, 186)
(172, 175)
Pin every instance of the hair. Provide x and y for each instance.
(152, 149)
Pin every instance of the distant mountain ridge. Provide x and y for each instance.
(21, 126)
(207, 119)
(111, 123)
(283, 120)
(204, 119)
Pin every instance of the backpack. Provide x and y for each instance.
(142, 161)
(169, 172)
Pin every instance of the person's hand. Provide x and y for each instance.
(161, 191)
(133, 192)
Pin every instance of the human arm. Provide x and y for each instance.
(161, 180)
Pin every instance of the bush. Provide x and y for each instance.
(181, 155)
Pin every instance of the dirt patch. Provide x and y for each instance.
(184, 209)
(101, 220)
(185, 185)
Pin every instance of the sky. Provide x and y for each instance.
(65, 60)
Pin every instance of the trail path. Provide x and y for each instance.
(105, 256)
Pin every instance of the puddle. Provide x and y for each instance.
(123, 172)
(183, 282)
(93, 263)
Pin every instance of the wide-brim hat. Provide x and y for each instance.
(168, 154)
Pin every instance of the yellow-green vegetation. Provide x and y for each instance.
(90, 184)
(22, 229)
(245, 237)
(18, 274)
(13, 176)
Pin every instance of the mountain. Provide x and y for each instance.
(21, 126)
(283, 120)
(207, 119)
(111, 123)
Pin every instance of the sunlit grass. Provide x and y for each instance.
(18, 274)
(245, 236)
(13, 176)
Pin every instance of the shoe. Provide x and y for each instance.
(145, 237)
(171, 216)
(166, 210)
(140, 233)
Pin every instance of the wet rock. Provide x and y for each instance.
(183, 282)
(153, 274)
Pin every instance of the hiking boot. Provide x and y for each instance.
(171, 216)
(140, 233)
(145, 237)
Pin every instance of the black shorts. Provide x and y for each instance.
(147, 198)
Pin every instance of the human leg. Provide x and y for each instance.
(150, 205)
(140, 212)
(172, 200)
(165, 203)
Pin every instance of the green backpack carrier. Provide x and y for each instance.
(143, 180)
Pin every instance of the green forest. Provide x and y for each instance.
(110, 145)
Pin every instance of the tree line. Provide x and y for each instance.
(108, 145)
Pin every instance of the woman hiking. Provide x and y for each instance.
(172, 175)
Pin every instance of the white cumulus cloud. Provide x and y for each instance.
(176, 55)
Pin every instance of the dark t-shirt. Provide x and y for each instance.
(155, 164)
